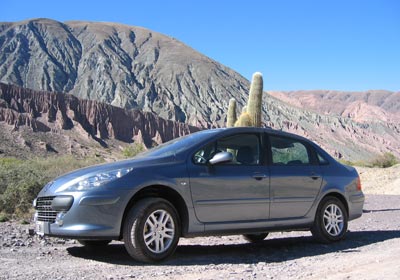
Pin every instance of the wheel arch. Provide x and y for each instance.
(340, 197)
(160, 191)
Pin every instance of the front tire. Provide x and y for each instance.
(331, 220)
(151, 230)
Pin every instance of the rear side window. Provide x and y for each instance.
(287, 151)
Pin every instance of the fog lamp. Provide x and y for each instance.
(35, 216)
(60, 219)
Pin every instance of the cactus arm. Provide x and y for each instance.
(232, 118)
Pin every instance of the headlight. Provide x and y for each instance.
(95, 180)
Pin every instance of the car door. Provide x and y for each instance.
(295, 177)
(236, 191)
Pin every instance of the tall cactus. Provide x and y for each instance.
(231, 119)
(254, 103)
(244, 120)
(251, 114)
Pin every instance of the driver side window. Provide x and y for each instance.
(245, 149)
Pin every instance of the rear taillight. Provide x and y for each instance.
(358, 184)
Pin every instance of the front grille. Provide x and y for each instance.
(43, 209)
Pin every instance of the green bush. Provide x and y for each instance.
(384, 161)
(4, 218)
(354, 163)
(132, 150)
(21, 180)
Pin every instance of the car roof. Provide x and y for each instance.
(268, 130)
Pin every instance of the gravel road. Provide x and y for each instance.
(370, 251)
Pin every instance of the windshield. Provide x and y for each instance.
(179, 144)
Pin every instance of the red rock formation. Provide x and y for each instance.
(42, 111)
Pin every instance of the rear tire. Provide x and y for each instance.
(255, 238)
(151, 230)
(331, 220)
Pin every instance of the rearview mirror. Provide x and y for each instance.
(221, 158)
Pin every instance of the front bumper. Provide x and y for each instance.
(89, 217)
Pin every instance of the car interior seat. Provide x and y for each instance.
(245, 155)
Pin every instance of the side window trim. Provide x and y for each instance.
(318, 155)
(311, 153)
(267, 150)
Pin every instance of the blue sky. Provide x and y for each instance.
(327, 44)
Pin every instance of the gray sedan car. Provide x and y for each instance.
(248, 181)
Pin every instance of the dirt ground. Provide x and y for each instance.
(371, 250)
(380, 180)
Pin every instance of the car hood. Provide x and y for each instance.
(133, 163)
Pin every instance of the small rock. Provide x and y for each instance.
(19, 243)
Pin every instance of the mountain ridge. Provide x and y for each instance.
(366, 106)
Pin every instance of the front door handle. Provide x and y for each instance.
(259, 176)
(315, 176)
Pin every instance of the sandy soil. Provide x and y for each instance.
(380, 180)
(371, 250)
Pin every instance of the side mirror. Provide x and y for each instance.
(221, 158)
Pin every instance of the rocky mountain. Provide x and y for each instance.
(66, 122)
(136, 68)
(369, 106)
(128, 67)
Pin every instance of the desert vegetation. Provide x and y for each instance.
(382, 161)
(21, 180)
(252, 113)
(132, 150)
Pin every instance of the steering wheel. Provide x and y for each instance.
(200, 159)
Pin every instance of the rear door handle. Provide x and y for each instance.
(259, 176)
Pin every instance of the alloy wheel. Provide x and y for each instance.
(158, 232)
(333, 220)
